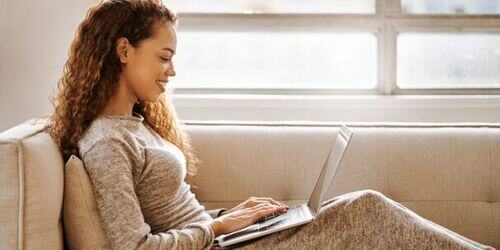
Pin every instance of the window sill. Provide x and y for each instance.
(335, 101)
(357, 108)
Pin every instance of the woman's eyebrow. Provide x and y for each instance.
(169, 49)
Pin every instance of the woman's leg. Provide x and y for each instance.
(368, 220)
(437, 226)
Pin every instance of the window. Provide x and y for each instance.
(338, 46)
(451, 6)
(273, 6)
(448, 60)
(290, 59)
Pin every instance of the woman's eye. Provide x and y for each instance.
(165, 59)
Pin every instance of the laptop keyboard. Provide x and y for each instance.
(268, 222)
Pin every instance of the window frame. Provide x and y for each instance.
(386, 23)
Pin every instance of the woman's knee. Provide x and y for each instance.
(372, 193)
(365, 199)
(371, 196)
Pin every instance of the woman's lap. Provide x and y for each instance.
(363, 219)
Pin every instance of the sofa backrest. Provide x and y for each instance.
(31, 189)
(449, 174)
(446, 173)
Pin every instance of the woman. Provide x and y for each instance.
(112, 111)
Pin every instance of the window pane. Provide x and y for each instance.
(448, 60)
(273, 6)
(451, 6)
(302, 59)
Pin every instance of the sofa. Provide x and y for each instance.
(447, 173)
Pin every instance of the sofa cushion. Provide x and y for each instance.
(82, 227)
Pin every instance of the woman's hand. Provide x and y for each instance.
(241, 218)
(253, 201)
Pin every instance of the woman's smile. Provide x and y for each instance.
(162, 84)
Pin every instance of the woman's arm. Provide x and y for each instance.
(109, 163)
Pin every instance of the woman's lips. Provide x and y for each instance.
(162, 85)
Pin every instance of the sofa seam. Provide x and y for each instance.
(283, 143)
(386, 144)
(20, 157)
(491, 181)
(20, 202)
(490, 192)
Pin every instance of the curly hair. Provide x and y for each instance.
(91, 72)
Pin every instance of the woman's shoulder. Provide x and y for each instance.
(104, 131)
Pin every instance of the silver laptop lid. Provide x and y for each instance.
(330, 168)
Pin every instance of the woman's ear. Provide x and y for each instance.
(122, 49)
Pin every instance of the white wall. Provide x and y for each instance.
(35, 37)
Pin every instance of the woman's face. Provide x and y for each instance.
(148, 67)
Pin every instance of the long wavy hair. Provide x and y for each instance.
(91, 72)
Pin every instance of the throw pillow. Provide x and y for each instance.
(82, 228)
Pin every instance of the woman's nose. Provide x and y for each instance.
(170, 71)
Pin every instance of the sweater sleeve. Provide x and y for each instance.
(109, 163)
(214, 213)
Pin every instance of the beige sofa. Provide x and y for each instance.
(448, 173)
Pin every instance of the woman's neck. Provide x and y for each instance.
(122, 103)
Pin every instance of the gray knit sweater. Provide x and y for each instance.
(138, 183)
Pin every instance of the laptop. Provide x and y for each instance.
(299, 214)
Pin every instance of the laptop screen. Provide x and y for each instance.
(330, 167)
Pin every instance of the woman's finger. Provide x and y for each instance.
(272, 201)
(255, 201)
(267, 209)
(258, 206)
(261, 209)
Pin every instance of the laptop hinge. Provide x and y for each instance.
(311, 209)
